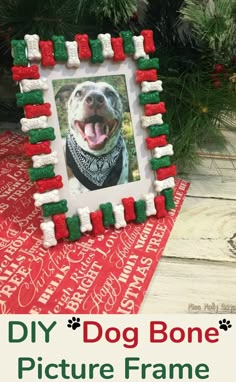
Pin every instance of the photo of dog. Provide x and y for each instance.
(97, 153)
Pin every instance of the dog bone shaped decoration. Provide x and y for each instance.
(107, 50)
(73, 59)
(36, 123)
(43, 160)
(53, 90)
(29, 85)
(49, 238)
(32, 42)
(46, 197)
(150, 204)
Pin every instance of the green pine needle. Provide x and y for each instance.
(213, 26)
(197, 114)
(117, 10)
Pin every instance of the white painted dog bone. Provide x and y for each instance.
(28, 85)
(84, 215)
(32, 42)
(159, 152)
(139, 48)
(151, 86)
(49, 239)
(46, 197)
(150, 204)
(44, 159)
(73, 58)
(160, 185)
(107, 50)
(119, 213)
(152, 120)
(33, 123)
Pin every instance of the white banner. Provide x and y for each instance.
(117, 347)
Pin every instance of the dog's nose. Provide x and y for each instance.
(95, 99)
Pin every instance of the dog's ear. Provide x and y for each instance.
(64, 93)
(125, 103)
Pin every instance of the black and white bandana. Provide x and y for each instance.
(92, 171)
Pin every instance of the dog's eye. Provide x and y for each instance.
(78, 93)
(111, 96)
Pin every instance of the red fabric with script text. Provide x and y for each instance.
(92, 275)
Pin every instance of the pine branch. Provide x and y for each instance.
(213, 25)
(197, 113)
(116, 10)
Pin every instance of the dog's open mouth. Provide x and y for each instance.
(96, 130)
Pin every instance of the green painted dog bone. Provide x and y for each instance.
(54, 208)
(19, 52)
(107, 212)
(40, 135)
(128, 43)
(148, 63)
(155, 130)
(140, 211)
(73, 225)
(60, 52)
(31, 98)
(150, 97)
(169, 198)
(41, 172)
(96, 48)
(161, 162)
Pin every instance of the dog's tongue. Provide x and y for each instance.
(95, 135)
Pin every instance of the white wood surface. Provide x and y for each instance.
(197, 272)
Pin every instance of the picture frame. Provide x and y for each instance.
(93, 170)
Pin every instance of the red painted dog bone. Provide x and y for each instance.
(151, 109)
(46, 48)
(61, 231)
(128, 204)
(83, 46)
(37, 148)
(166, 172)
(146, 75)
(97, 222)
(33, 111)
(148, 43)
(21, 72)
(160, 206)
(156, 142)
(44, 185)
(117, 46)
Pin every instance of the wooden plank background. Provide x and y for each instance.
(197, 273)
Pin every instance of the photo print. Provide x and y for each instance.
(97, 132)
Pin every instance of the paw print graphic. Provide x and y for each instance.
(74, 323)
(225, 325)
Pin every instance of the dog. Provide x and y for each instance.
(96, 152)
